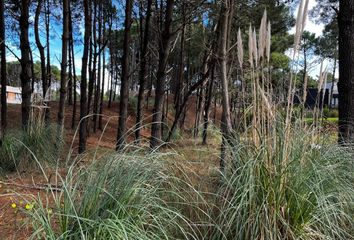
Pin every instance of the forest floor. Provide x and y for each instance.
(17, 190)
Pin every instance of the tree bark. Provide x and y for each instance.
(142, 72)
(72, 53)
(47, 85)
(26, 73)
(124, 88)
(207, 107)
(74, 79)
(346, 71)
(164, 51)
(83, 85)
(92, 64)
(226, 125)
(40, 48)
(3, 69)
(100, 125)
(64, 63)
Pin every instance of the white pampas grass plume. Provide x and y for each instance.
(269, 41)
(240, 48)
(304, 16)
(262, 35)
(250, 46)
(255, 48)
(298, 27)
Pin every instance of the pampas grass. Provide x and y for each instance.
(239, 48)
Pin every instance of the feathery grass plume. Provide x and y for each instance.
(240, 48)
(269, 40)
(321, 80)
(298, 27)
(250, 46)
(304, 17)
(262, 36)
(255, 48)
(267, 103)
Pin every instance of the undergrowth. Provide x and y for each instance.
(22, 148)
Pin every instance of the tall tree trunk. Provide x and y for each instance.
(83, 85)
(40, 48)
(70, 80)
(142, 72)
(73, 120)
(100, 126)
(98, 84)
(111, 73)
(180, 82)
(3, 69)
(93, 61)
(124, 88)
(346, 71)
(64, 63)
(208, 98)
(26, 73)
(46, 86)
(164, 50)
(226, 125)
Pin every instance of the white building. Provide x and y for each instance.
(13, 95)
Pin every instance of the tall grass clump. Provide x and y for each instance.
(127, 196)
(38, 142)
(285, 180)
(23, 147)
(299, 190)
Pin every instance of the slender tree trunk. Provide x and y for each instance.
(207, 107)
(32, 71)
(142, 72)
(346, 71)
(83, 85)
(124, 88)
(180, 82)
(3, 70)
(93, 61)
(73, 120)
(111, 73)
(164, 50)
(64, 63)
(26, 73)
(70, 81)
(98, 84)
(100, 125)
(226, 125)
(40, 48)
(46, 86)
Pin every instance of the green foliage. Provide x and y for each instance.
(330, 113)
(280, 61)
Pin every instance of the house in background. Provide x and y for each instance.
(332, 94)
(13, 95)
(327, 97)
